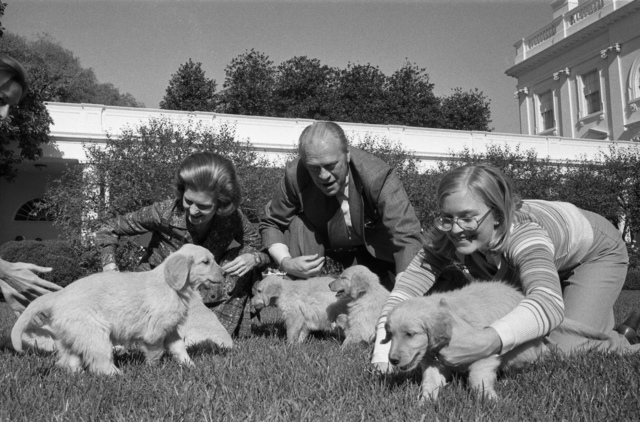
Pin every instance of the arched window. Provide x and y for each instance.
(634, 81)
(31, 211)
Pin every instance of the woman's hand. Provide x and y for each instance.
(21, 285)
(21, 276)
(303, 266)
(469, 344)
(380, 358)
(241, 265)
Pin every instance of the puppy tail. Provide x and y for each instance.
(36, 314)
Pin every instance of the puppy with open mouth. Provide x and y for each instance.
(88, 317)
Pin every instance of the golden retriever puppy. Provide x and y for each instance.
(362, 287)
(419, 327)
(202, 327)
(306, 305)
(88, 317)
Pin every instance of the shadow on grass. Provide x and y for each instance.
(278, 330)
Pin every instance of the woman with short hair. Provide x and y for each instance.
(204, 212)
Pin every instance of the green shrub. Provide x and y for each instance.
(57, 254)
(633, 279)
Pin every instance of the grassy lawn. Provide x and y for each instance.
(263, 378)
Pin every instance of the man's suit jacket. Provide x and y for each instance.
(381, 213)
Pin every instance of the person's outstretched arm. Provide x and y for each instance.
(21, 284)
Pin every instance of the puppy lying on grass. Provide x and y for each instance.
(88, 317)
(306, 305)
(362, 287)
(419, 327)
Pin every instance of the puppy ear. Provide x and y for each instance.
(176, 270)
(357, 286)
(439, 331)
(273, 292)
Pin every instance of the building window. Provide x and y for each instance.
(547, 119)
(634, 81)
(32, 211)
(591, 90)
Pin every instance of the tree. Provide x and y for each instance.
(54, 74)
(27, 128)
(28, 124)
(190, 90)
(465, 110)
(248, 85)
(304, 88)
(57, 74)
(108, 94)
(410, 99)
(360, 94)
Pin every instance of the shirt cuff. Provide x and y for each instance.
(381, 351)
(506, 334)
(278, 252)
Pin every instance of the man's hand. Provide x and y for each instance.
(303, 266)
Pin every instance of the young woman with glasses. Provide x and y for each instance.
(568, 262)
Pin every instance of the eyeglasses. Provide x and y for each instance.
(468, 223)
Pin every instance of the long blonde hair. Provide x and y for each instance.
(491, 186)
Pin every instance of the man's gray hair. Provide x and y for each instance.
(322, 130)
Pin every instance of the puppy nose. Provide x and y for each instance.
(393, 361)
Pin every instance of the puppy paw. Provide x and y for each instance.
(430, 393)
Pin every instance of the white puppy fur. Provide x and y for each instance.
(306, 305)
(367, 296)
(90, 316)
(419, 328)
(202, 327)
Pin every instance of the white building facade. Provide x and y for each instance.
(579, 76)
(77, 124)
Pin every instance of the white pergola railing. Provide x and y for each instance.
(75, 124)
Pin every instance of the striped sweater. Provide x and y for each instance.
(546, 238)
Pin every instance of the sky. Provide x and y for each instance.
(138, 44)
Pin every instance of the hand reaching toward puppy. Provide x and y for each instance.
(380, 358)
(21, 285)
(303, 266)
(241, 265)
(471, 345)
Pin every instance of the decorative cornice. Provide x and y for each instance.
(566, 71)
(613, 48)
(524, 91)
(571, 41)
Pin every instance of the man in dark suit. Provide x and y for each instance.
(342, 202)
